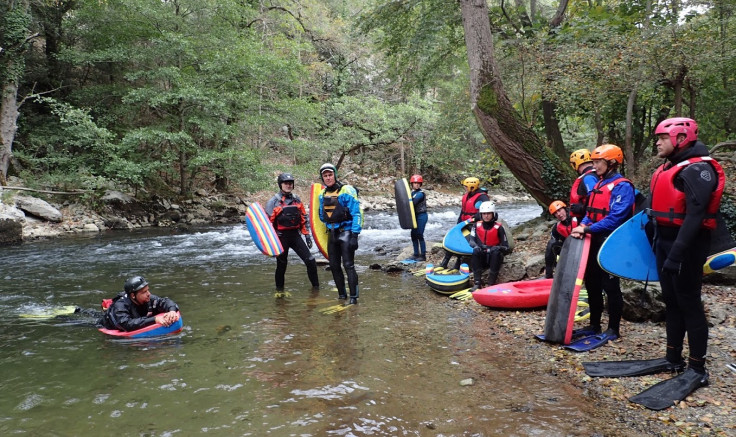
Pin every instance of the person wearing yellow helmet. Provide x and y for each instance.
(472, 199)
(610, 204)
(490, 244)
(565, 224)
(586, 180)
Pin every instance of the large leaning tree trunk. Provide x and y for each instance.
(542, 173)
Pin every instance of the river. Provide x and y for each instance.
(250, 364)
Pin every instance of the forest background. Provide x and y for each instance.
(166, 97)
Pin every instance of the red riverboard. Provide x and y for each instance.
(521, 294)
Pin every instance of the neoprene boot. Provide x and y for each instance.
(353, 301)
(492, 277)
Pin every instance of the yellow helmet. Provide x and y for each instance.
(579, 157)
(556, 206)
(471, 183)
(609, 152)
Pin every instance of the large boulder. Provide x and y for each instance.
(38, 208)
(642, 303)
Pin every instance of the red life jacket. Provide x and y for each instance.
(468, 209)
(290, 216)
(577, 185)
(488, 237)
(566, 230)
(668, 203)
(599, 200)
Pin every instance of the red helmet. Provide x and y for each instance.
(416, 178)
(609, 152)
(676, 126)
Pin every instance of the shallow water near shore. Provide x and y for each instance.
(248, 363)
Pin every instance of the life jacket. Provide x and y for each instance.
(488, 237)
(599, 199)
(334, 212)
(578, 192)
(422, 205)
(468, 209)
(668, 203)
(566, 229)
(290, 216)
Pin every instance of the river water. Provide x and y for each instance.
(248, 363)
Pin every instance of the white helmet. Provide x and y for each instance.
(487, 206)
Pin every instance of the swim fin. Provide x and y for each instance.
(592, 341)
(618, 369)
(576, 333)
(664, 394)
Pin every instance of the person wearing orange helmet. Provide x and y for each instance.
(565, 224)
(609, 205)
(583, 185)
(419, 199)
(686, 192)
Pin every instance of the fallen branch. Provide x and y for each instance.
(45, 191)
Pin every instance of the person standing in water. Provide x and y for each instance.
(419, 199)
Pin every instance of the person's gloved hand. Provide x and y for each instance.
(504, 250)
(353, 244)
(671, 267)
(308, 239)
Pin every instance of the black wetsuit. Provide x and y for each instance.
(687, 245)
(125, 315)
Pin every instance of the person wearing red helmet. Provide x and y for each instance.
(609, 205)
(565, 224)
(419, 199)
(289, 217)
(685, 197)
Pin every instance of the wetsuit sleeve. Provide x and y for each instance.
(556, 234)
(163, 305)
(417, 197)
(351, 202)
(304, 225)
(698, 182)
(589, 181)
(125, 320)
(620, 208)
(503, 239)
(271, 210)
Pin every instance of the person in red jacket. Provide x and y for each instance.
(561, 230)
(286, 212)
(686, 193)
(490, 244)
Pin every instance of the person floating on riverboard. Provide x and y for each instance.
(136, 308)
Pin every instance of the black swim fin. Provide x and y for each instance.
(618, 369)
(664, 394)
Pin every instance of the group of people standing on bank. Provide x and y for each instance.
(684, 199)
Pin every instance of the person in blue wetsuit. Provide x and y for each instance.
(136, 308)
(286, 212)
(419, 199)
(339, 209)
(609, 205)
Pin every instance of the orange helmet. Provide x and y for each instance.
(579, 157)
(416, 178)
(471, 183)
(556, 206)
(608, 152)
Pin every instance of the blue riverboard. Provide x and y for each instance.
(627, 252)
(456, 239)
(449, 283)
(262, 231)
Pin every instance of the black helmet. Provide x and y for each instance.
(284, 177)
(134, 284)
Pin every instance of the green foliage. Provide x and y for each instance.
(728, 209)
(14, 29)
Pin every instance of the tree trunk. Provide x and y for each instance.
(8, 127)
(552, 128)
(537, 168)
(628, 143)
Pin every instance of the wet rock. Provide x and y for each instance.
(642, 304)
(467, 382)
(38, 208)
(11, 232)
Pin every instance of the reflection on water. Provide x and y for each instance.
(247, 363)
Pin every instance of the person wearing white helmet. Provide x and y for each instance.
(339, 209)
(489, 243)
